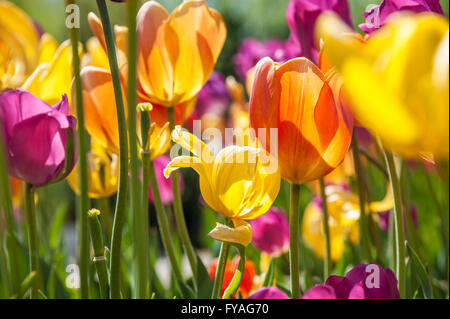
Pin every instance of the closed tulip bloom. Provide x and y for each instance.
(235, 183)
(397, 83)
(271, 232)
(377, 16)
(19, 45)
(177, 52)
(103, 172)
(314, 130)
(302, 15)
(37, 137)
(365, 281)
(344, 213)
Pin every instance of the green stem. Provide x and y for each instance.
(294, 240)
(363, 223)
(83, 203)
(434, 198)
(178, 206)
(237, 278)
(399, 232)
(99, 253)
(163, 224)
(146, 159)
(33, 241)
(119, 215)
(11, 240)
(220, 269)
(4, 271)
(103, 204)
(270, 275)
(139, 237)
(326, 231)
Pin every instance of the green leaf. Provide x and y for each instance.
(204, 283)
(268, 279)
(55, 232)
(421, 271)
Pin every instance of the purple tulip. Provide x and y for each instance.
(302, 15)
(250, 51)
(377, 16)
(164, 184)
(35, 136)
(365, 281)
(271, 232)
(385, 219)
(213, 97)
(268, 293)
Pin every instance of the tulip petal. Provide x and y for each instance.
(240, 234)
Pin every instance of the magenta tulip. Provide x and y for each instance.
(302, 15)
(268, 293)
(377, 16)
(37, 137)
(250, 51)
(365, 281)
(164, 184)
(271, 232)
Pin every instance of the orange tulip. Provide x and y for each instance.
(314, 127)
(177, 52)
(98, 92)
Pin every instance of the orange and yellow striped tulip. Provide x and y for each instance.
(314, 127)
(177, 52)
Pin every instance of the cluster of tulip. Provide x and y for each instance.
(331, 113)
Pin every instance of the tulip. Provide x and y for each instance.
(268, 293)
(235, 184)
(39, 138)
(344, 213)
(366, 281)
(103, 172)
(19, 45)
(314, 130)
(302, 15)
(250, 51)
(177, 52)
(50, 79)
(397, 82)
(164, 185)
(271, 232)
(377, 16)
(247, 281)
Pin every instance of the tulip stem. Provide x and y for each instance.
(294, 240)
(163, 224)
(237, 277)
(11, 241)
(398, 221)
(326, 231)
(83, 203)
(99, 253)
(363, 222)
(140, 235)
(220, 269)
(33, 241)
(103, 204)
(119, 215)
(178, 207)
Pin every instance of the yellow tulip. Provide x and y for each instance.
(231, 183)
(50, 80)
(103, 172)
(397, 83)
(344, 213)
(19, 45)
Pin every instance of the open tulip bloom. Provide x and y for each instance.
(192, 153)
